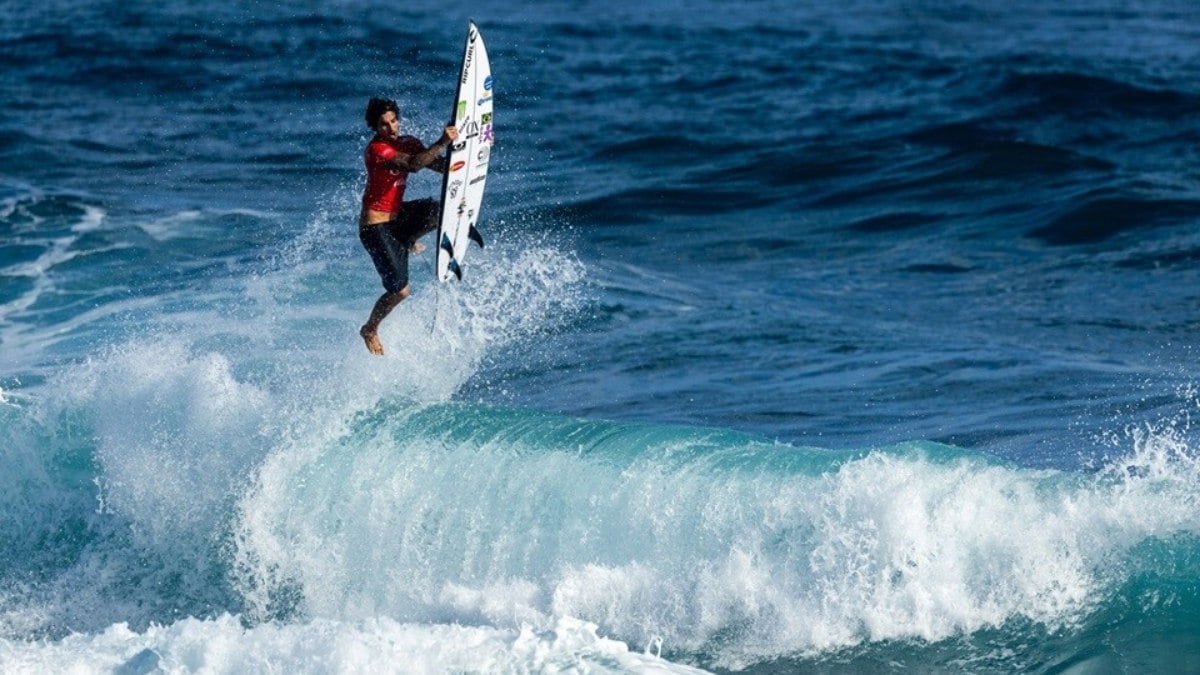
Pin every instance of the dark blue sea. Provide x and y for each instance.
(810, 337)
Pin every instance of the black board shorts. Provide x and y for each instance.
(388, 243)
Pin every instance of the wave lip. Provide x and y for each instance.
(731, 550)
(535, 536)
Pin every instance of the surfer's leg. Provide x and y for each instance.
(420, 218)
(429, 217)
(391, 261)
(383, 306)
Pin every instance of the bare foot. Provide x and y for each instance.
(417, 247)
(372, 339)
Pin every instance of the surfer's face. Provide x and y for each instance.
(389, 125)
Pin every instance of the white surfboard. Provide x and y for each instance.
(467, 160)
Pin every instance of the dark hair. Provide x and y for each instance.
(376, 107)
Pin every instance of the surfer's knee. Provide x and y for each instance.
(389, 300)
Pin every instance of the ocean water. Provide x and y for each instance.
(810, 337)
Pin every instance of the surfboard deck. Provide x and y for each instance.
(466, 160)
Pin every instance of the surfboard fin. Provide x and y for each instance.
(474, 236)
(456, 268)
(447, 245)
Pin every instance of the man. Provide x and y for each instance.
(389, 226)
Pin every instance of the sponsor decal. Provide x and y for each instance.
(453, 192)
(488, 137)
(466, 69)
(458, 146)
(486, 118)
(462, 109)
(462, 208)
(470, 129)
(487, 96)
(478, 179)
(457, 165)
(487, 83)
(484, 152)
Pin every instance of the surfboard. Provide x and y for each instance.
(466, 160)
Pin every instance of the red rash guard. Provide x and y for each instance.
(385, 185)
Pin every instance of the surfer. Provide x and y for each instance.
(389, 227)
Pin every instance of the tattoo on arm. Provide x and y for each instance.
(429, 157)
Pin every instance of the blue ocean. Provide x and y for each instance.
(844, 337)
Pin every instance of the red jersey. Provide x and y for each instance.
(385, 185)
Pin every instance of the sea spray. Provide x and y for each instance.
(127, 465)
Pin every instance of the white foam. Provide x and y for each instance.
(175, 435)
(171, 226)
(91, 220)
(376, 645)
(184, 223)
(56, 251)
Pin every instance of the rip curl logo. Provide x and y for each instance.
(466, 69)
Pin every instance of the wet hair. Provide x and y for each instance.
(376, 107)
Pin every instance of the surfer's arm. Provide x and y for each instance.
(429, 156)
